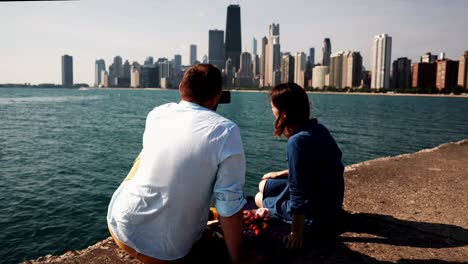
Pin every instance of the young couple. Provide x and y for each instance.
(192, 155)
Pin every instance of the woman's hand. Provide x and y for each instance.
(293, 240)
(275, 174)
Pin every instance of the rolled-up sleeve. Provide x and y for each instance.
(230, 179)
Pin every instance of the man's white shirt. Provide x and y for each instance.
(190, 155)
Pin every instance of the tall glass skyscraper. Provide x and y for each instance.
(99, 66)
(233, 42)
(326, 51)
(67, 71)
(216, 48)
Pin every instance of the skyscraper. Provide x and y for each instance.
(99, 66)
(273, 54)
(233, 35)
(326, 52)
(254, 47)
(287, 68)
(447, 74)
(401, 73)
(319, 73)
(118, 66)
(193, 54)
(177, 63)
(216, 49)
(263, 61)
(126, 69)
(463, 71)
(299, 68)
(336, 69)
(381, 61)
(312, 57)
(352, 69)
(67, 71)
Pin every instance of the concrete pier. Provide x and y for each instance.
(411, 208)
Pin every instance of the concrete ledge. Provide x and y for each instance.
(411, 208)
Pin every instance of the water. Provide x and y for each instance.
(64, 152)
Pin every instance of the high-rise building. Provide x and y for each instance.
(126, 69)
(165, 71)
(326, 52)
(319, 73)
(447, 74)
(254, 47)
(233, 35)
(352, 69)
(423, 75)
(135, 76)
(104, 79)
(216, 48)
(381, 61)
(263, 61)
(299, 68)
(149, 76)
(228, 73)
(245, 71)
(177, 62)
(99, 66)
(256, 65)
(336, 69)
(428, 58)
(345, 69)
(149, 61)
(67, 71)
(287, 68)
(463, 71)
(273, 54)
(312, 57)
(401, 73)
(193, 54)
(118, 66)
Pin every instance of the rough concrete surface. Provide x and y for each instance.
(411, 208)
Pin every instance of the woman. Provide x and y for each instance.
(309, 194)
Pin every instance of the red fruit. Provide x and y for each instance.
(252, 218)
(257, 216)
(246, 222)
(249, 214)
(257, 232)
(265, 226)
(266, 218)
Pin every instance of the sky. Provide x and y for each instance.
(34, 35)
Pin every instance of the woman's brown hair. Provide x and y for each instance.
(293, 108)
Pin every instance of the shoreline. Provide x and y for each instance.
(465, 95)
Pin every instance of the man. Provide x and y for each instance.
(190, 155)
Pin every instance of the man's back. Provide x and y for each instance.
(163, 209)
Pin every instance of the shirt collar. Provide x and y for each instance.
(192, 105)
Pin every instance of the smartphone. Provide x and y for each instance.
(225, 97)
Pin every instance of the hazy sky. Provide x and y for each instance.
(34, 35)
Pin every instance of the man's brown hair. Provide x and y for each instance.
(201, 83)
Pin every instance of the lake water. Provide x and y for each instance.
(63, 152)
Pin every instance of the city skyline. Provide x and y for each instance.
(34, 42)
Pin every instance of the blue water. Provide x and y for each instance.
(64, 152)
